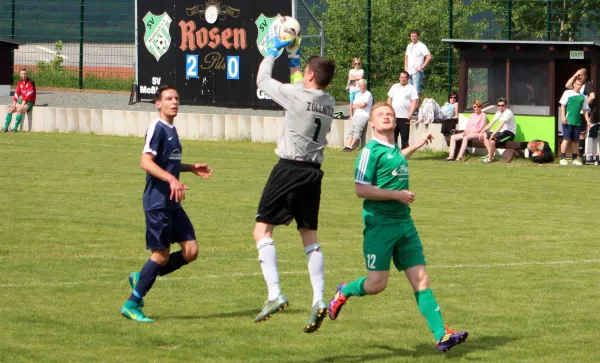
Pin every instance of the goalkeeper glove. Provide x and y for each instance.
(294, 53)
(274, 44)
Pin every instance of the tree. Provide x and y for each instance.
(391, 22)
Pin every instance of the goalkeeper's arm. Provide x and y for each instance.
(293, 51)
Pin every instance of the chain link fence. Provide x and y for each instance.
(90, 43)
(72, 43)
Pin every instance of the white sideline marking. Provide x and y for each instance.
(491, 265)
(50, 51)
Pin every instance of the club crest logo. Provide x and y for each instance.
(263, 24)
(157, 38)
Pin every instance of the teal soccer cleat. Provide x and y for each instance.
(133, 278)
(319, 312)
(271, 307)
(134, 313)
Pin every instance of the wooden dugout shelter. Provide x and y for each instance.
(531, 75)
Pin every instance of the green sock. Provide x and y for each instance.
(18, 122)
(432, 312)
(8, 120)
(355, 288)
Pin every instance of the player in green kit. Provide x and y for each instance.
(381, 178)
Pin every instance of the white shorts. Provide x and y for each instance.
(358, 126)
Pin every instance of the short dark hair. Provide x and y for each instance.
(323, 68)
(23, 69)
(414, 31)
(405, 72)
(502, 99)
(158, 94)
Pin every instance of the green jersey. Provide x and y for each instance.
(382, 165)
(574, 104)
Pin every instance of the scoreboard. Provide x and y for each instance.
(209, 50)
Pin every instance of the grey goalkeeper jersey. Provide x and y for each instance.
(307, 120)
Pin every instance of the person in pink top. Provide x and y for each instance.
(475, 124)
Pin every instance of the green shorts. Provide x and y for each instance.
(29, 104)
(399, 241)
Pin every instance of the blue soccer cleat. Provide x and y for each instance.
(450, 339)
(134, 313)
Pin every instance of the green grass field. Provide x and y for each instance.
(512, 250)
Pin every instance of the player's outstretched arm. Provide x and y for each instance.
(177, 188)
(264, 80)
(202, 170)
(293, 52)
(426, 139)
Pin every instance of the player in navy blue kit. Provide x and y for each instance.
(166, 221)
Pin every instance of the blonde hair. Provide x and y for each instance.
(477, 103)
(379, 105)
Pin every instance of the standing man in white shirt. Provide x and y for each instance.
(404, 99)
(362, 109)
(504, 132)
(416, 60)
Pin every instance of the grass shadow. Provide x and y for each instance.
(235, 314)
(482, 343)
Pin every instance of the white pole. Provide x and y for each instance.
(294, 12)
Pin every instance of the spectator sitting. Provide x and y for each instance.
(362, 108)
(450, 108)
(431, 111)
(354, 75)
(27, 91)
(504, 132)
(474, 126)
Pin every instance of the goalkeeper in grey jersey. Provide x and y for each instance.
(293, 190)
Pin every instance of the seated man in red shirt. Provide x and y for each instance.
(27, 92)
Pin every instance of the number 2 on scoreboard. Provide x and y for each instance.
(191, 65)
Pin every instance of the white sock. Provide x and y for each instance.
(267, 256)
(316, 269)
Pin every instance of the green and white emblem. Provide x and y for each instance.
(157, 37)
(263, 24)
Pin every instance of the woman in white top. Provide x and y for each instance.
(362, 108)
(354, 75)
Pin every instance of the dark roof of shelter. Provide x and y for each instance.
(519, 42)
(9, 42)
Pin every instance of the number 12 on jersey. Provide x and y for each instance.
(371, 261)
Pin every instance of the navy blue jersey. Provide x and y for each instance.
(162, 142)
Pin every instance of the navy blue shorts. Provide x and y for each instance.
(571, 132)
(167, 226)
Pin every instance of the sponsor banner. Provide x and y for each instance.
(210, 50)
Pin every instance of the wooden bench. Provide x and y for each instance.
(515, 145)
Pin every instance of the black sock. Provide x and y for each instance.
(574, 156)
(176, 260)
(147, 278)
(563, 155)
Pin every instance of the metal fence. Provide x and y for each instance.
(73, 43)
(90, 43)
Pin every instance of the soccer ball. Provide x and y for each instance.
(288, 28)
